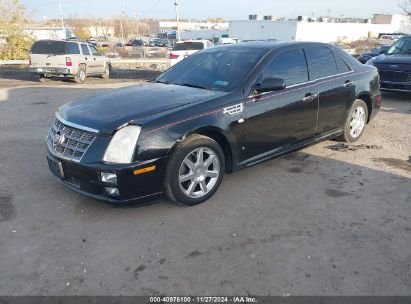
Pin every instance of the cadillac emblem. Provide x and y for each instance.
(58, 139)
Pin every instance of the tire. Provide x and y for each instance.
(356, 122)
(81, 75)
(106, 73)
(202, 175)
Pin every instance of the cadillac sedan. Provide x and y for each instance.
(218, 111)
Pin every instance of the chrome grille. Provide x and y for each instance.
(395, 76)
(75, 143)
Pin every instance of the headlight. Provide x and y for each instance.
(121, 147)
(370, 62)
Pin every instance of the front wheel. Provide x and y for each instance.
(195, 171)
(356, 121)
(106, 72)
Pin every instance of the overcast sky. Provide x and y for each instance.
(229, 9)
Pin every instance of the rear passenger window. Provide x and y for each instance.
(341, 65)
(290, 66)
(321, 62)
(85, 50)
(72, 48)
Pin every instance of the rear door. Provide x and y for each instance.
(336, 87)
(97, 60)
(277, 120)
(86, 58)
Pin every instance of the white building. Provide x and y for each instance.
(325, 31)
(49, 32)
(168, 26)
(203, 34)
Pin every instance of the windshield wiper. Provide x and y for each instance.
(192, 85)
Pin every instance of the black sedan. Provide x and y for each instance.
(373, 53)
(395, 66)
(218, 111)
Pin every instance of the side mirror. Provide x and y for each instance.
(270, 85)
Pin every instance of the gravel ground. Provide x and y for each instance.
(317, 222)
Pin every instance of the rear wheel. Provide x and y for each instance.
(81, 75)
(356, 121)
(195, 171)
(40, 78)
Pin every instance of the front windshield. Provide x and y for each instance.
(219, 69)
(402, 46)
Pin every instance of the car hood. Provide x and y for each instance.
(393, 62)
(108, 111)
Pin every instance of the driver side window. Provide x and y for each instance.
(290, 66)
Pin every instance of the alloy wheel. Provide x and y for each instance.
(357, 122)
(199, 172)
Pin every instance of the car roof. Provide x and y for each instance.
(193, 40)
(271, 45)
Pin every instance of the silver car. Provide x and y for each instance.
(70, 59)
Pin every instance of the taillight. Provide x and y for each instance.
(174, 56)
(68, 61)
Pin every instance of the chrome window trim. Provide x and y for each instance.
(306, 83)
(74, 125)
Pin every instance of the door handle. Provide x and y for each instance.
(310, 97)
(94, 58)
(348, 84)
(85, 58)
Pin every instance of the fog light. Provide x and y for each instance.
(109, 178)
(112, 191)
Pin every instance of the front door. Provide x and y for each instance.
(278, 120)
(97, 60)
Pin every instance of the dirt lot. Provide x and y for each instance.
(316, 222)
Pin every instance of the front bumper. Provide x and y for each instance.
(85, 179)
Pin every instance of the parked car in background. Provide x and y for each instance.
(218, 111)
(92, 41)
(383, 49)
(136, 43)
(395, 66)
(183, 49)
(159, 42)
(67, 59)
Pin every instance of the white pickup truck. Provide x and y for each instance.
(69, 59)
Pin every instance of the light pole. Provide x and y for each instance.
(62, 20)
(178, 20)
(121, 27)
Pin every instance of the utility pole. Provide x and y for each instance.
(178, 20)
(121, 27)
(62, 20)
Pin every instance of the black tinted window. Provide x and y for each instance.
(85, 50)
(290, 66)
(342, 67)
(320, 62)
(49, 47)
(214, 69)
(186, 46)
(72, 48)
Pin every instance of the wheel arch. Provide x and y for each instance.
(365, 96)
(216, 134)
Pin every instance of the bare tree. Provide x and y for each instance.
(405, 5)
